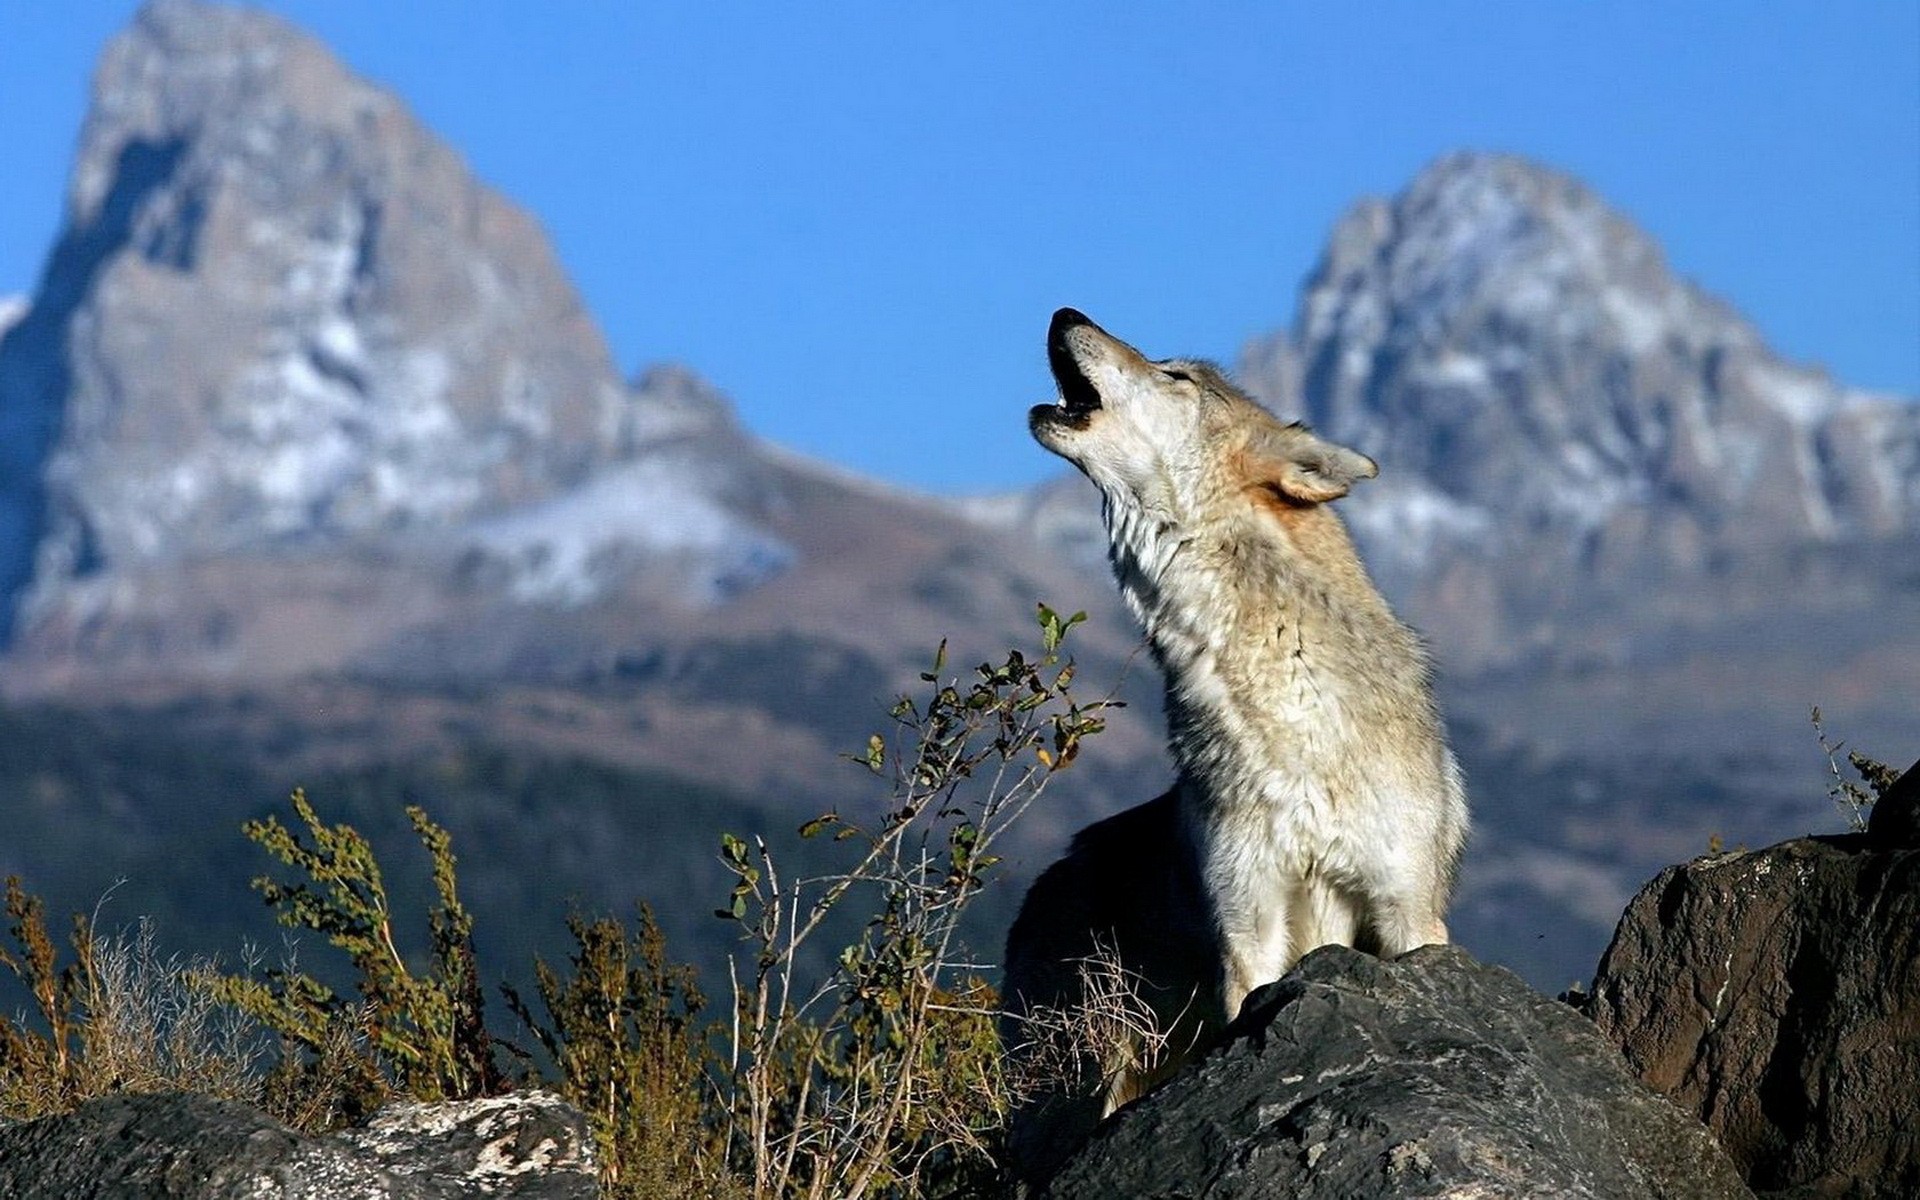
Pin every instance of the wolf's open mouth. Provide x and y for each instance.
(1078, 396)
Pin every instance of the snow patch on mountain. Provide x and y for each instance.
(1803, 397)
(1639, 324)
(12, 308)
(567, 551)
(1469, 371)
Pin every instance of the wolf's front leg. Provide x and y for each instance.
(1257, 952)
(1404, 923)
(1403, 893)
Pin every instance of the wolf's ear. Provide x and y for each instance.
(1307, 470)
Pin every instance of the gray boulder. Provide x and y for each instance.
(1428, 1075)
(1776, 994)
(528, 1146)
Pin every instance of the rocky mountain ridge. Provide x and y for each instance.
(1543, 385)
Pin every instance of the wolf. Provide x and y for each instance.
(1316, 801)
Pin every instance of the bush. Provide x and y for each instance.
(623, 1029)
(422, 1035)
(119, 1017)
(1854, 801)
(885, 1075)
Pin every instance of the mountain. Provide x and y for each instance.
(314, 470)
(297, 393)
(1523, 356)
(1500, 333)
(283, 314)
(1591, 467)
(317, 472)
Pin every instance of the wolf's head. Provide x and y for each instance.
(1173, 440)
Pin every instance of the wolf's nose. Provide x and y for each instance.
(1066, 319)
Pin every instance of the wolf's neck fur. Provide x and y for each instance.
(1259, 619)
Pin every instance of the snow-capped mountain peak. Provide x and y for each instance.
(1521, 350)
(283, 312)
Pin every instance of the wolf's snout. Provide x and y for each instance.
(1078, 396)
(1065, 319)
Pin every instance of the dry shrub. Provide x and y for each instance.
(1084, 1049)
(1854, 801)
(420, 1034)
(623, 1027)
(119, 1017)
(883, 1077)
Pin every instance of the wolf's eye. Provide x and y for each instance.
(1176, 373)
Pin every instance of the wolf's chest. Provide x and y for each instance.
(1275, 768)
(1265, 722)
(1294, 821)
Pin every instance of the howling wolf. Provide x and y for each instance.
(1317, 799)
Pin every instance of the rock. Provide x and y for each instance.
(1428, 1075)
(530, 1146)
(179, 1145)
(1776, 994)
(1894, 820)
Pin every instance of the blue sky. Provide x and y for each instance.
(856, 217)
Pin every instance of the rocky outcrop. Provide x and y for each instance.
(1424, 1076)
(1894, 819)
(529, 1146)
(1776, 994)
